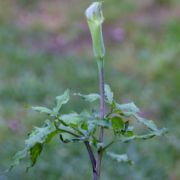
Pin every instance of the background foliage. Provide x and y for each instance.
(45, 48)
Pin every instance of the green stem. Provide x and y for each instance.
(102, 113)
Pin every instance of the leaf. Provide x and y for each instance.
(108, 93)
(34, 144)
(91, 127)
(63, 99)
(131, 109)
(35, 151)
(90, 97)
(128, 108)
(117, 123)
(42, 109)
(149, 123)
(119, 157)
(103, 123)
(160, 132)
(17, 158)
(72, 118)
(129, 133)
(80, 139)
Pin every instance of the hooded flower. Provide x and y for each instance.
(95, 19)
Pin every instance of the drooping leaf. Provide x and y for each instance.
(42, 109)
(34, 144)
(90, 97)
(108, 93)
(119, 157)
(60, 100)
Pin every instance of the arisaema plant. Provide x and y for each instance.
(88, 127)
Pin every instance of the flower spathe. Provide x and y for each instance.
(95, 20)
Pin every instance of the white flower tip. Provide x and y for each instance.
(94, 12)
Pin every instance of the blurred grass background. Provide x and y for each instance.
(45, 47)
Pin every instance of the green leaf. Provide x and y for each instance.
(90, 97)
(69, 140)
(129, 133)
(108, 93)
(42, 109)
(34, 144)
(117, 123)
(128, 109)
(149, 123)
(35, 151)
(103, 123)
(17, 158)
(72, 118)
(91, 127)
(132, 110)
(160, 132)
(119, 157)
(63, 99)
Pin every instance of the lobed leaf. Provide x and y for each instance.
(34, 144)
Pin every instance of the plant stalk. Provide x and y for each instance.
(102, 114)
(92, 159)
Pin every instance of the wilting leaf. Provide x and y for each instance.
(108, 93)
(34, 144)
(90, 97)
(63, 99)
(119, 157)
